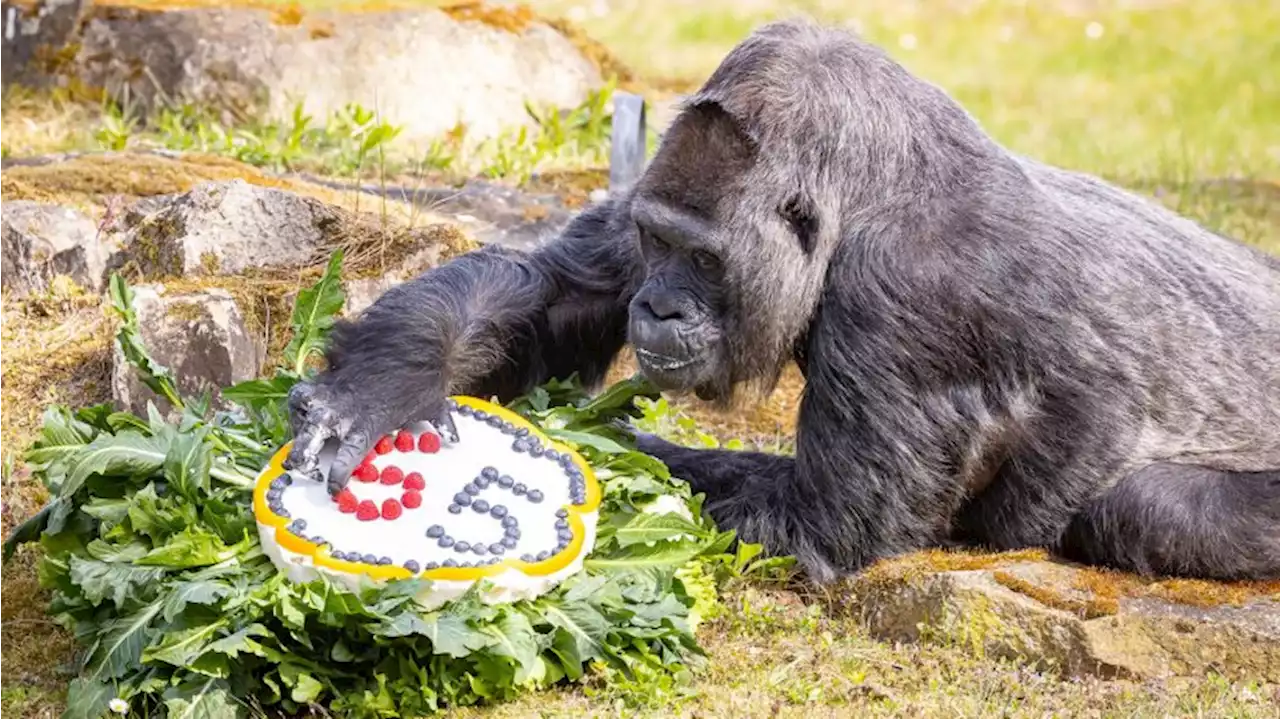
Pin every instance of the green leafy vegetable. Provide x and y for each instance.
(157, 569)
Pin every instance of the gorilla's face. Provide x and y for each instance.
(676, 317)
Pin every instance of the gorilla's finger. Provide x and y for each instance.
(349, 455)
(443, 421)
(299, 403)
(299, 460)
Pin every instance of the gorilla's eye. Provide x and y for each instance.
(803, 223)
(706, 261)
(660, 245)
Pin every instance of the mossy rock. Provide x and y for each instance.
(1074, 619)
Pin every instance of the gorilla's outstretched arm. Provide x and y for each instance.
(493, 322)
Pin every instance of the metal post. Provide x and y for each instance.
(628, 141)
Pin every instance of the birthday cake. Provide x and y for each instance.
(502, 505)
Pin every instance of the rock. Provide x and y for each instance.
(1079, 620)
(425, 70)
(36, 40)
(227, 227)
(42, 241)
(224, 228)
(489, 212)
(200, 337)
(363, 292)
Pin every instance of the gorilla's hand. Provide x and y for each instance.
(328, 409)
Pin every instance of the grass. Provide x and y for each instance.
(1174, 98)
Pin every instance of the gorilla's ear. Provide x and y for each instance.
(802, 217)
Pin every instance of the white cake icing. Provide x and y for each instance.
(538, 553)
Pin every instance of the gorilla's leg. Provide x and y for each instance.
(1183, 520)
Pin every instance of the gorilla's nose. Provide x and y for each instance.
(664, 307)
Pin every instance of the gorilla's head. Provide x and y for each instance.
(800, 145)
(736, 229)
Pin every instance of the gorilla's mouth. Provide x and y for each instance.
(661, 362)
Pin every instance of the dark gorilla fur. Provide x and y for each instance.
(997, 352)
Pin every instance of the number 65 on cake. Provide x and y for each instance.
(502, 504)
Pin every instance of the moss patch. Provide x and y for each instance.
(1083, 608)
(90, 181)
(573, 187)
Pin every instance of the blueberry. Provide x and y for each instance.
(480, 506)
(384, 561)
(277, 483)
(481, 482)
(535, 496)
(455, 509)
(494, 421)
(562, 513)
(496, 548)
(562, 524)
(565, 534)
(435, 531)
(509, 522)
(526, 558)
(566, 461)
(507, 428)
(450, 563)
(489, 473)
(552, 454)
(479, 549)
(536, 450)
(319, 540)
(273, 495)
(505, 481)
(513, 532)
(543, 555)
(462, 547)
(298, 525)
(465, 410)
(481, 415)
(462, 498)
(495, 560)
(369, 559)
(446, 541)
(498, 511)
(282, 512)
(517, 446)
(412, 566)
(519, 489)
(509, 542)
(471, 489)
(338, 555)
(451, 403)
(431, 565)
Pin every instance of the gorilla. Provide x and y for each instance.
(997, 352)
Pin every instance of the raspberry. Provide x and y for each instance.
(383, 446)
(414, 481)
(429, 443)
(368, 458)
(367, 511)
(391, 509)
(366, 473)
(404, 441)
(346, 501)
(392, 475)
(411, 499)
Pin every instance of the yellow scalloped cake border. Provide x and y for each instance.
(322, 558)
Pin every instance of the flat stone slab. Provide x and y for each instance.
(426, 70)
(1077, 619)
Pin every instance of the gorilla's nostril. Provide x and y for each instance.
(665, 308)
